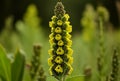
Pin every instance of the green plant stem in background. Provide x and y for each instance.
(115, 66)
(103, 16)
(102, 51)
(36, 71)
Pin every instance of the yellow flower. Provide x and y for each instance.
(69, 29)
(58, 59)
(52, 29)
(58, 37)
(67, 23)
(58, 30)
(51, 35)
(60, 43)
(53, 18)
(69, 42)
(70, 51)
(50, 61)
(51, 41)
(50, 70)
(70, 59)
(59, 69)
(68, 35)
(67, 16)
(70, 69)
(59, 22)
(60, 51)
(50, 52)
(51, 23)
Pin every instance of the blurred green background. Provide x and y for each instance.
(24, 23)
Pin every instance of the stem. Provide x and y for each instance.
(62, 79)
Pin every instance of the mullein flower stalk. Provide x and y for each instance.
(36, 70)
(115, 66)
(103, 16)
(60, 41)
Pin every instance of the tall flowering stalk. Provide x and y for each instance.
(103, 16)
(36, 70)
(115, 66)
(60, 41)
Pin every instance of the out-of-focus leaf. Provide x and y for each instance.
(18, 66)
(76, 78)
(5, 66)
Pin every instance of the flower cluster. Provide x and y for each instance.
(60, 41)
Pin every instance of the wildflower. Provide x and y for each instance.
(70, 69)
(50, 61)
(66, 16)
(69, 51)
(51, 24)
(54, 18)
(70, 59)
(59, 69)
(60, 41)
(60, 51)
(58, 60)
(58, 30)
(59, 22)
(69, 28)
(50, 52)
(58, 37)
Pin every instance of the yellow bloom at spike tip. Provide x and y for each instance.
(53, 18)
(59, 69)
(58, 30)
(60, 51)
(60, 43)
(58, 60)
(58, 37)
(67, 16)
(59, 22)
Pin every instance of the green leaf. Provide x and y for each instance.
(18, 66)
(5, 66)
(76, 78)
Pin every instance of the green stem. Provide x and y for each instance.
(62, 79)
